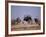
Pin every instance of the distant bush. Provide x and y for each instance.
(13, 22)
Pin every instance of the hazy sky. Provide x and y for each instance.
(21, 11)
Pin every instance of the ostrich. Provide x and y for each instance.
(18, 20)
(37, 21)
(27, 19)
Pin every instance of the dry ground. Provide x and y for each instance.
(25, 26)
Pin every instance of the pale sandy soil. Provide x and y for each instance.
(20, 26)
